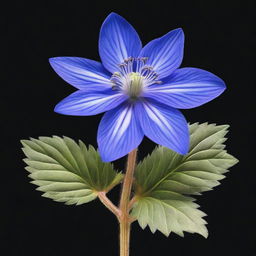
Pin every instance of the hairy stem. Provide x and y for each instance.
(125, 220)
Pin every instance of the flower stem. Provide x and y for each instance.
(125, 228)
(125, 220)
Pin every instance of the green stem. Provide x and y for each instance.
(125, 220)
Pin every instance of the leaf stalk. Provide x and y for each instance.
(105, 200)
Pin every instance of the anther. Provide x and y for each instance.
(144, 59)
(147, 68)
(114, 87)
(116, 74)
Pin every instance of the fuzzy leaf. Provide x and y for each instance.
(66, 171)
(164, 180)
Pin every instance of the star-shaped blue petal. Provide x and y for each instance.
(141, 89)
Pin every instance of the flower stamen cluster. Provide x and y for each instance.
(133, 76)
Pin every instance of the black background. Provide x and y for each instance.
(220, 37)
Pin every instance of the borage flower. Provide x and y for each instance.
(140, 88)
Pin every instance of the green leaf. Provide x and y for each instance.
(66, 171)
(164, 180)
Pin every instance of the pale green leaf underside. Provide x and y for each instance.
(66, 171)
(165, 178)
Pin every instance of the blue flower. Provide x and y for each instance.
(140, 89)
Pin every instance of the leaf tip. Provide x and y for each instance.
(205, 233)
(24, 142)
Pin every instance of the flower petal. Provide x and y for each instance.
(164, 125)
(82, 73)
(118, 41)
(165, 54)
(187, 88)
(83, 103)
(119, 133)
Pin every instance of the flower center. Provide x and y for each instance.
(134, 76)
(134, 87)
